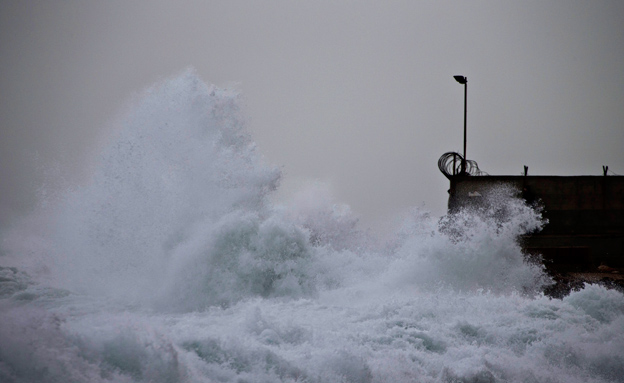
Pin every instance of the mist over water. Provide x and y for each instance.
(173, 264)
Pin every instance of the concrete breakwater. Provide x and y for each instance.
(585, 229)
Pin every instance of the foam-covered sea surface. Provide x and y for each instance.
(175, 263)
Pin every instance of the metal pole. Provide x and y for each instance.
(464, 80)
(465, 113)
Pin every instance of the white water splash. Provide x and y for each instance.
(173, 265)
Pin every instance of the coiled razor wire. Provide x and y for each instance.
(450, 164)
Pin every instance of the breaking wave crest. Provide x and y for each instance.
(172, 264)
(178, 213)
(477, 247)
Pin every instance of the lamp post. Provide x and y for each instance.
(464, 80)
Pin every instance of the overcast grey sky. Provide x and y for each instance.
(358, 94)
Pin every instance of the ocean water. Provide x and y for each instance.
(175, 263)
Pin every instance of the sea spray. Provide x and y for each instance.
(241, 256)
(181, 159)
(477, 247)
(173, 265)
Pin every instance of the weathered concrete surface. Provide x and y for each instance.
(585, 214)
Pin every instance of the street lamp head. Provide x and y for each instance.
(461, 79)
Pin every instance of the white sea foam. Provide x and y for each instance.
(173, 265)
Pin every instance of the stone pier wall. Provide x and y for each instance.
(585, 214)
